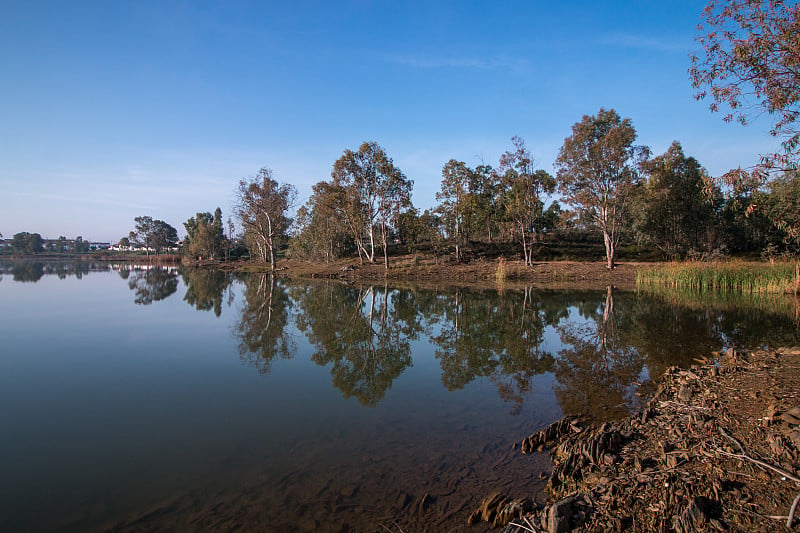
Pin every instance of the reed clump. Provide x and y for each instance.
(501, 273)
(732, 276)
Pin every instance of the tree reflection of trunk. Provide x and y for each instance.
(597, 368)
(264, 316)
(366, 352)
(495, 336)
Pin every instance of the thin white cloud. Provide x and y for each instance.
(629, 40)
(432, 62)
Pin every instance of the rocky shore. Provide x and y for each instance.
(714, 449)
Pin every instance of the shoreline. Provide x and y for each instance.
(426, 271)
(716, 448)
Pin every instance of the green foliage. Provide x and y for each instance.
(153, 234)
(371, 194)
(262, 207)
(27, 243)
(677, 210)
(597, 171)
(205, 237)
(321, 234)
(781, 205)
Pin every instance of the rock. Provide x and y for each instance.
(692, 518)
(488, 509)
(511, 510)
(550, 435)
(685, 394)
(567, 514)
(792, 416)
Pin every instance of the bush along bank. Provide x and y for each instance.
(714, 449)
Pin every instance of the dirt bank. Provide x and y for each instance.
(715, 449)
(427, 270)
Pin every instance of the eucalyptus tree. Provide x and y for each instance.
(321, 233)
(373, 193)
(486, 187)
(679, 205)
(456, 205)
(597, 171)
(153, 234)
(262, 206)
(524, 186)
(205, 236)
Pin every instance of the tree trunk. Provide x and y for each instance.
(385, 239)
(272, 257)
(610, 250)
(526, 254)
(371, 255)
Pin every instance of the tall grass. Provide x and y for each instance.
(733, 276)
(500, 273)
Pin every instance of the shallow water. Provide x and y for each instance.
(134, 398)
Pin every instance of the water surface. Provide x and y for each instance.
(134, 397)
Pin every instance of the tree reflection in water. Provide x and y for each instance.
(205, 288)
(152, 284)
(362, 333)
(28, 272)
(596, 368)
(599, 344)
(499, 336)
(262, 327)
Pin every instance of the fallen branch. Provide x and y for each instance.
(790, 520)
(760, 463)
(739, 444)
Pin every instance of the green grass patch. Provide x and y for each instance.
(726, 277)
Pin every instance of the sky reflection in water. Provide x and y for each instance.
(117, 396)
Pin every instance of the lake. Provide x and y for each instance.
(152, 398)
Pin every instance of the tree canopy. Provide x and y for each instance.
(597, 169)
(262, 206)
(205, 237)
(374, 193)
(153, 234)
(750, 64)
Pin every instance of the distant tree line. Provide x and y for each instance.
(24, 243)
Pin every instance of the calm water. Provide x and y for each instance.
(135, 398)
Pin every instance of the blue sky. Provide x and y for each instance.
(111, 110)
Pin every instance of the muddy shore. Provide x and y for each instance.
(423, 270)
(714, 449)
